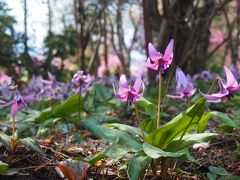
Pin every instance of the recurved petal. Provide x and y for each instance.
(123, 82)
(181, 78)
(180, 96)
(138, 83)
(6, 104)
(14, 109)
(153, 66)
(231, 80)
(153, 53)
(169, 51)
(29, 97)
(214, 97)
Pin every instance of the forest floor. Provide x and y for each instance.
(26, 164)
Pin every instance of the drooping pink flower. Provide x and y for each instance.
(18, 102)
(127, 93)
(158, 61)
(227, 88)
(184, 88)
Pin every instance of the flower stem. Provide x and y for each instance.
(139, 122)
(188, 102)
(13, 127)
(79, 98)
(211, 87)
(168, 82)
(159, 99)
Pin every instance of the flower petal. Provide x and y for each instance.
(123, 82)
(153, 53)
(137, 84)
(7, 104)
(29, 97)
(181, 80)
(169, 51)
(180, 96)
(153, 66)
(14, 109)
(214, 97)
(231, 80)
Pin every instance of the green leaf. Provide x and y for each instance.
(174, 128)
(92, 159)
(138, 164)
(117, 150)
(32, 144)
(149, 107)
(46, 114)
(126, 128)
(77, 138)
(149, 125)
(102, 93)
(225, 128)
(3, 168)
(202, 125)
(211, 176)
(111, 135)
(224, 118)
(189, 139)
(5, 139)
(218, 170)
(156, 153)
(68, 107)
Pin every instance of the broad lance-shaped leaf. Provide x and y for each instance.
(69, 106)
(117, 150)
(156, 153)
(31, 144)
(3, 168)
(189, 139)
(174, 128)
(149, 107)
(111, 135)
(126, 128)
(5, 139)
(222, 117)
(138, 164)
(202, 125)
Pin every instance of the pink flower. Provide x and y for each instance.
(17, 102)
(157, 61)
(227, 88)
(184, 88)
(127, 93)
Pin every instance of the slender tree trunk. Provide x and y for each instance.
(49, 17)
(25, 28)
(148, 35)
